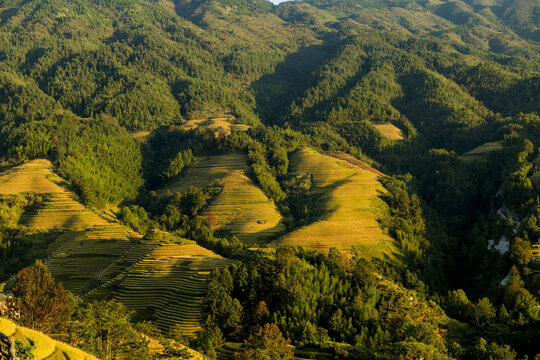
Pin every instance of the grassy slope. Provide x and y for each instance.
(241, 207)
(350, 196)
(46, 348)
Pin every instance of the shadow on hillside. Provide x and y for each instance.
(273, 92)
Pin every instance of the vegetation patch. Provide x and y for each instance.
(220, 125)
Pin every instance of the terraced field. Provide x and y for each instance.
(168, 284)
(350, 197)
(34, 176)
(83, 260)
(90, 247)
(390, 131)
(228, 351)
(220, 125)
(482, 151)
(96, 258)
(241, 208)
(61, 209)
(536, 253)
(45, 347)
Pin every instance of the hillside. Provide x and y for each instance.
(92, 256)
(341, 179)
(167, 285)
(45, 347)
(87, 245)
(240, 207)
(351, 207)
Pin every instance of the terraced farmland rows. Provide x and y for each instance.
(82, 262)
(34, 176)
(390, 131)
(482, 151)
(93, 257)
(169, 283)
(115, 272)
(349, 194)
(228, 351)
(62, 210)
(220, 125)
(241, 207)
(88, 251)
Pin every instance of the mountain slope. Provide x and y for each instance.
(349, 196)
(45, 347)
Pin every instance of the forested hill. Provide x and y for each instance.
(396, 140)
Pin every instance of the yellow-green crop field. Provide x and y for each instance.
(350, 196)
(220, 125)
(169, 283)
(45, 347)
(482, 151)
(241, 207)
(93, 257)
(62, 209)
(390, 131)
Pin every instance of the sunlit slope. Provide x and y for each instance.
(98, 259)
(60, 209)
(45, 347)
(220, 125)
(390, 131)
(483, 151)
(241, 207)
(88, 247)
(168, 284)
(350, 199)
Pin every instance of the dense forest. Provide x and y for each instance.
(80, 79)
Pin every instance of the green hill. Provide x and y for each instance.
(333, 135)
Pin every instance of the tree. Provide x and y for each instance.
(483, 312)
(176, 333)
(104, 329)
(208, 338)
(260, 313)
(38, 302)
(521, 251)
(458, 305)
(267, 343)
